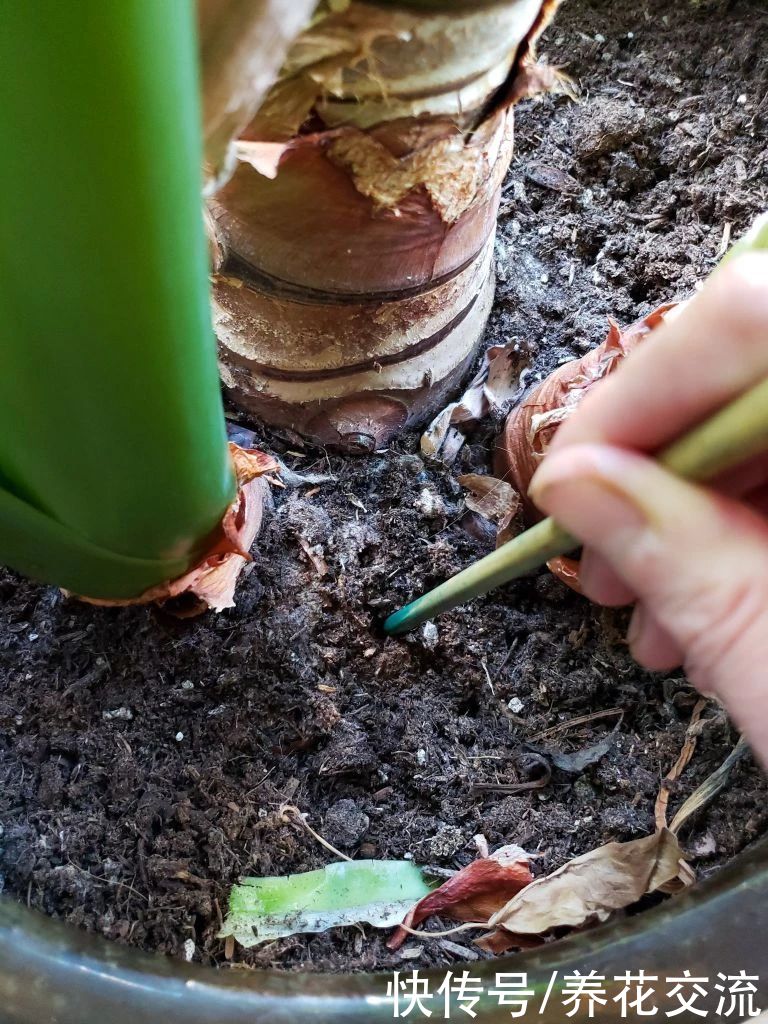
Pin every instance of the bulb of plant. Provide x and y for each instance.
(353, 245)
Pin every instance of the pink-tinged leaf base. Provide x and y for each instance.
(473, 894)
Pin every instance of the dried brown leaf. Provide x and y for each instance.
(490, 497)
(494, 500)
(535, 79)
(590, 888)
(493, 389)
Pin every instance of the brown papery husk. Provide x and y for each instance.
(589, 889)
(530, 427)
(353, 244)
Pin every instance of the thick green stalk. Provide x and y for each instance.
(112, 441)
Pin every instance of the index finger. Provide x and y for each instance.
(688, 368)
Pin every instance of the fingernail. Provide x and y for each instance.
(581, 489)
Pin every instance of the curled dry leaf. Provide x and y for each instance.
(474, 893)
(590, 888)
(211, 583)
(711, 786)
(493, 499)
(539, 78)
(532, 424)
(579, 760)
(492, 391)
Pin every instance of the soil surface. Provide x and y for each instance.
(144, 760)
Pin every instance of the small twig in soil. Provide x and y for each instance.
(433, 871)
(463, 952)
(109, 881)
(535, 760)
(677, 769)
(512, 787)
(725, 241)
(581, 720)
(296, 814)
(469, 926)
(507, 656)
(488, 677)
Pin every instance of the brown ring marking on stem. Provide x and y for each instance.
(417, 349)
(256, 280)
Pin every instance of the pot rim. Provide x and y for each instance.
(50, 972)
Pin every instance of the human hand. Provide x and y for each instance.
(694, 559)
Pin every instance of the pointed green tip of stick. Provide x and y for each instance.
(401, 621)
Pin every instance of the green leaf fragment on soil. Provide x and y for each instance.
(375, 892)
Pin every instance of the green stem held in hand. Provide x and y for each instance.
(736, 433)
(114, 468)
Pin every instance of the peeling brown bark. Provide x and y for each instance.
(242, 45)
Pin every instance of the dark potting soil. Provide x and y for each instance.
(144, 760)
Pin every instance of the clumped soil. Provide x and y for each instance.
(144, 760)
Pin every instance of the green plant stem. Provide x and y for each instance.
(111, 423)
(733, 435)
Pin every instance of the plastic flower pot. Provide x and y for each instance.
(52, 974)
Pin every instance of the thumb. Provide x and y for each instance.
(697, 561)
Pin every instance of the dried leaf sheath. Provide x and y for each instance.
(473, 894)
(242, 44)
(531, 425)
(353, 244)
(211, 582)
